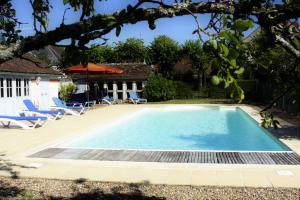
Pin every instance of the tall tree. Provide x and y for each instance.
(165, 52)
(101, 54)
(199, 59)
(130, 51)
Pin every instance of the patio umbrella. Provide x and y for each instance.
(93, 69)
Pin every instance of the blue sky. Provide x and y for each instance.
(179, 28)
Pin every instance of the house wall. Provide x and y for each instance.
(39, 90)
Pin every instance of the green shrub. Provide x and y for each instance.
(217, 92)
(66, 90)
(183, 91)
(249, 87)
(159, 88)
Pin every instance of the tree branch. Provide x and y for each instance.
(101, 22)
(288, 46)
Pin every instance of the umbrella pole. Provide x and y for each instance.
(88, 86)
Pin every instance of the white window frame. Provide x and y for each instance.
(26, 87)
(2, 87)
(18, 87)
(9, 87)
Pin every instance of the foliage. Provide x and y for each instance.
(268, 120)
(199, 58)
(249, 87)
(272, 15)
(217, 92)
(159, 88)
(73, 56)
(183, 91)
(86, 6)
(294, 101)
(130, 51)
(194, 51)
(274, 64)
(45, 59)
(101, 54)
(8, 32)
(228, 47)
(66, 90)
(165, 52)
(41, 10)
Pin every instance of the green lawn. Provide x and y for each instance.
(195, 101)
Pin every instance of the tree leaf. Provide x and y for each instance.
(233, 63)
(243, 25)
(239, 71)
(214, 43)
(225, 49)
(118, 31)
(233, 54)
(111, 23)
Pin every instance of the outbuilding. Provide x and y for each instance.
(134, 78)
(27, 77)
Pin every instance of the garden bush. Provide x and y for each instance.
(159, 88)
(183, 91)
(66, 90)
(249, 87)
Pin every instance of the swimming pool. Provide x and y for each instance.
(183, 128)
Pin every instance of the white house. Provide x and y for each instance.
(27, 78)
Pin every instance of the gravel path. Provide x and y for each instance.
(32, 188)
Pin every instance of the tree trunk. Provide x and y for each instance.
(203, 79)
(199, 79)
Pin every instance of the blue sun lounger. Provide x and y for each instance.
(31, 108)
(6, 121)
(134, 98)
(73, 110)
(87, 104)
(108, 100)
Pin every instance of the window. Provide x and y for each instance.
(1, 87)
(18, 87)
(9, 87)
(26, 87)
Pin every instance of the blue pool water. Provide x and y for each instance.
(205, 128)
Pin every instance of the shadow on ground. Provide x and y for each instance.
(7, 166)
(6, 190)
(127, 192)
(80, 189)
(130, 192)
(286, 132)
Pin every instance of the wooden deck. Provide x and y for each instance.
(266, 158)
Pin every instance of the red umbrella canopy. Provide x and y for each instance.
(93, 68)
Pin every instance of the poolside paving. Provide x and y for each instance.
(16, 146)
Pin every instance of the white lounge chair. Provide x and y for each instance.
(77, 109)
(55, 114)
(135, 99)
(7, 120)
